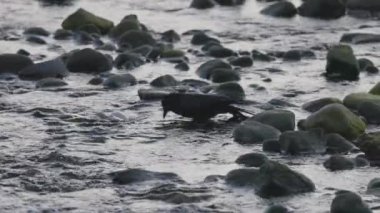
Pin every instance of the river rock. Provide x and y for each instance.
(335, 144)
(119, 81)
(224, 75)
(231, 90)
(252, 132)
(207, 68)
(282, 120)
(375, 90)
(252, 159)
(374, 187)
(303, 142)
(354, 100)
(82, 17)
(62, 34)
(200, 38)
(339, 162)
(183, 66)
(348, 202)
(128, 61)
(272, 146)
(88, 61)
(38, 31)
(131, 176)
(370, 111)
(280, 9)
(49, 69)
(164, 81)
(202, 4)
(336, 118)
(342, 63)
(369, 5)
(128, 23)
(259, 56)
(172, 53)
(230, 2)
(135, 38)
(13, 63)
(277, 209)
(324, 9)
(316, 105)
(370, 144)
(360, 38)
(271, 180)
(218, 51)
(244, 61)
(50, 82)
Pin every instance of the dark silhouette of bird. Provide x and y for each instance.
(200, 107)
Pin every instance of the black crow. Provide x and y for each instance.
(200, 107)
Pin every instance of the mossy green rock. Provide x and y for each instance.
(342, 63)
(125, 26)
(375, 90)
(336, 118)
(231, 90)
(136, 38)
(370, 145)
(348, 202)
(354, 100)
(224, 75)
(82, 17)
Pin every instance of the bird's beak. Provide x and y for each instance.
(165, 112)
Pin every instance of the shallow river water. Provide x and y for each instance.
(61, 162)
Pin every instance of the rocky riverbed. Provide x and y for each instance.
(81, 116)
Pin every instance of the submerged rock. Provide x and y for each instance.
(50, 82)
(131, 176)
(48, 69)
(360, 38)
(339, 162)
(82, 17)
(170, 36)
(348, 202)
(277, 209)
(202, 4)
(244, 61)
(370, 144)
(252, 132)
(337, 144)
(342, 63)
(38, 31)
(88, 61)
(119, 81)
(336, 118)
(324, 9)
(280, 9)
(13, 63)
(200, 38)
(271, 180)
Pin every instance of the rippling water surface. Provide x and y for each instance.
(61, 162)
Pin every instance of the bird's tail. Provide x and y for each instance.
(238, 111)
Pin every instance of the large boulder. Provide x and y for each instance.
(282, 120)
(370, 145)
(252, 132)
(370, 5)
(303, 142)
(82, 17)
(336, 118)
(355, 100)
(280, 9)
(323, 9)
(13, 63)
(119, 81)
(135, 38)
(348, 202)
(49, 69)
(88, 61)
(342, 63)
(207, 68)
(271, 180)
(318, 104)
